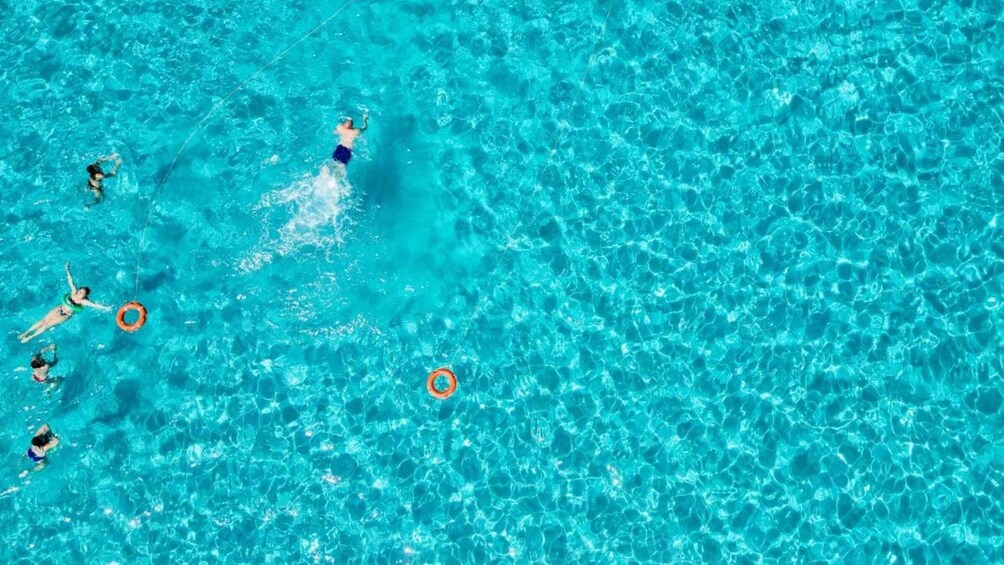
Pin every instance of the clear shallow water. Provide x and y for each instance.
(748, 309)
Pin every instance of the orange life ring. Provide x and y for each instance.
(128, 307)
(450, 389)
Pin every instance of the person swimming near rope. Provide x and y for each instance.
(43, 441)
(96, 176)
(73, 302)
(346, 138)
(40, 365)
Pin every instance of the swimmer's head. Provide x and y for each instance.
(94, 170)
(348, 122)
(84, 292)
(40, 441)
(38, 363)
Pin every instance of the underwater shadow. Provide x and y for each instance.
(383, 180)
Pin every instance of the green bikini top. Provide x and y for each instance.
(71, 304)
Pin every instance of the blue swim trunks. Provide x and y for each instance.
(342, 154)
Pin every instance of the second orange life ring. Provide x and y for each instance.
(125, 309)
(450, 388)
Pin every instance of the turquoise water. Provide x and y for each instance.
(733, 295)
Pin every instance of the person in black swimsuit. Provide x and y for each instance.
(96, 175)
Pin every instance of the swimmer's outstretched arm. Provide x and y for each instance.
(113, 157)
(51, 347)
(55, 357)
(118, 163)
(366, 121)
(97, 305)
(69, 278)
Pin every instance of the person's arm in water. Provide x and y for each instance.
(118, 163)
(69, 279)
(97, 305)
(52, 348)
(366, 121)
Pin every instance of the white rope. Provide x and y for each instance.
(202, 123)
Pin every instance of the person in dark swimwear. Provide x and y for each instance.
(40, 366)
(96, 175)
(347, 135)
(73, 302)
(43, 441)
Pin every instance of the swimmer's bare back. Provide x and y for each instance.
(346, 138)
(347, 134)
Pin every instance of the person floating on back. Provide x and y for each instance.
(347, 135)
(96, 175)
(43, 441)
(73, 302)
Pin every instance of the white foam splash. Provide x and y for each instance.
(316, 207)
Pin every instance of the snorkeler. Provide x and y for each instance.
(73, 302)
(96, 175)
(346, 137)
(43, 441)
(40, 366)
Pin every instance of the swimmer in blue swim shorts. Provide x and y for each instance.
(347, 135)
(43, 441)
